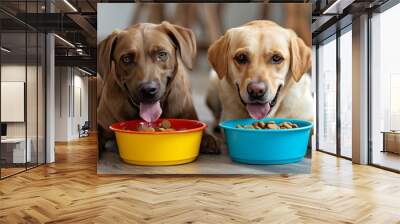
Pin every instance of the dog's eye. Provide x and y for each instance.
(241, 59)
(162, 56)
(127, 59)
(276, 59)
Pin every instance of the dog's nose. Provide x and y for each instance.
(256, 90)
(149, 90)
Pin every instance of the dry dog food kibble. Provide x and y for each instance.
(164, 126)
(268, 125)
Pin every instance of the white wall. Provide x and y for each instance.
(79, 117)
(82, 82)
(70, 83)
(61, 103)
(12, 73)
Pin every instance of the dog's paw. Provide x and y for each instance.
(209, 145)
(111, 145)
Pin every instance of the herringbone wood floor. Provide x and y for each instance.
(69, 191)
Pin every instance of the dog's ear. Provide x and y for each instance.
(218, 55)
(104, 54)
(300, 59)
(185, 40)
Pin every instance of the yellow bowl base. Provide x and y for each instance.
(159, 163)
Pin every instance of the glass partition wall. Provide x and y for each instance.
(22, 98)
(334, 86)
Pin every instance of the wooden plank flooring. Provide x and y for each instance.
(10, 171)
(70, 191)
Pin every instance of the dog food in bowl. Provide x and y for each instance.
(269, 125)
(267, 141)
(163, 126)
(163, 142)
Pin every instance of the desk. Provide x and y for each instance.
(13, 150)
(391, 141)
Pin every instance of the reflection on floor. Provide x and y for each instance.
(10, 171)
(386, 159)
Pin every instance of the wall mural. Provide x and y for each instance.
(204, 88)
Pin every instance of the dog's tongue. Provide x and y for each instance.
(257, 110)
(150, 111)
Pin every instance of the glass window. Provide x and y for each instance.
(15, 150)
(346, 94)
(22, 92)
(327, 96)
(385, 89)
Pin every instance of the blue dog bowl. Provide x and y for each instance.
(266, 146)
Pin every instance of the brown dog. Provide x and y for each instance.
(260, 66)
(144, 73)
